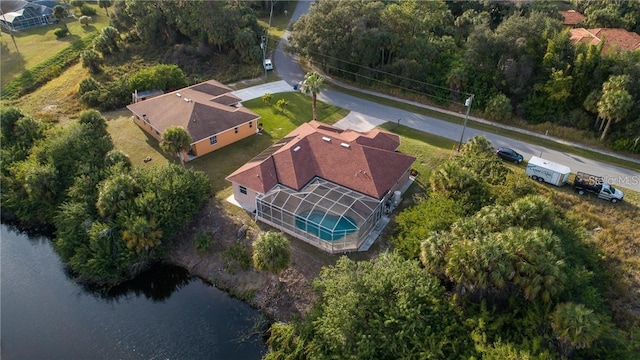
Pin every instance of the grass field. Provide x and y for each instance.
(37, 44)
(129, 138)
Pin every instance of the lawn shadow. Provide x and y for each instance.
(71, 38)
(11, 55)
(88, 28)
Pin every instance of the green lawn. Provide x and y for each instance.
(129, 138)
(37, 44)
(298, 111)
(220, 163)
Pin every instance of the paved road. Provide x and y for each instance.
(365, 115)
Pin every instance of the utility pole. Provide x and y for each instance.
(265, 39)
(467, 103)
(11, 33)
(263, 46)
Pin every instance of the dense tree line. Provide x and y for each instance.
(511, 278)
(514, 56)
(109, 219)
(222, 26)
(198, 37)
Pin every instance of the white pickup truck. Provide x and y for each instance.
(585, 183)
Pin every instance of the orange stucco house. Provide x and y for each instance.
(330, 187)
(208, 111)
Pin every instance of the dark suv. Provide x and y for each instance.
(509, 155)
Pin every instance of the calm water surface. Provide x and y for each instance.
(165, 314)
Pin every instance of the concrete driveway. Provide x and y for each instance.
(257, 91)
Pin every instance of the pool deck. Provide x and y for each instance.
(375, 233)
(383, 222)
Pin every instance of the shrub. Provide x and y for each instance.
(91, 98)
(204, 241)
(87, 84)
(163, 77)
(630, 145)
(60, 33)
(499, 108)
(85, 20)
(237, 256)
(271, 252)
(101, 44)
(77, 3)
(91, 60)
(87, 10)
(116, 94)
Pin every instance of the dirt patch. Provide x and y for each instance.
(282, 297)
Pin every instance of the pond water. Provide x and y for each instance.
(164, 314)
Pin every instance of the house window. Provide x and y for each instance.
(235, 129)
(250, 124)
(243, 190)
(213, 140)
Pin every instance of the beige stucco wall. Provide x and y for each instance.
(248, 200)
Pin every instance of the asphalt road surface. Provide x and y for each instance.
(366, 114)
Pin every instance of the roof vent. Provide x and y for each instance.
(326, 138)
(178, 95)
(345, 145)
(296, 148)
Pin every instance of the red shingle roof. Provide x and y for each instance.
(614, 38)
(572, 17)
(364, 162)
(202, 109)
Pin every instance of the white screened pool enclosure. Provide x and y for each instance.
(324, 214)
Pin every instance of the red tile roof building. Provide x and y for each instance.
(364, 165)
(614, 39)
(364, 162)
(571, 17)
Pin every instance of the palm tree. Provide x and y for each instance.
(591, 105)
(478, 145)
(60, 13)
(271, 252)
(281, 105)
(176, 140)
(115, 194)
(575, 327)
(105, 4)
(615, 102)
(141, 234)
(452, 176)
(112, 35)
(312, 84)
(91, 60)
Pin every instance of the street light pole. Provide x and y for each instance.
(467, 103)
